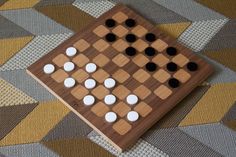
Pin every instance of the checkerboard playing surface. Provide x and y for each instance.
(120, 74)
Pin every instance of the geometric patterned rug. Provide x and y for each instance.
(34, 123)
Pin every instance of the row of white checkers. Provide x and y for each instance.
(69, 66)
(110, 99)
(111, 117)
(91, 83)
(89, 100)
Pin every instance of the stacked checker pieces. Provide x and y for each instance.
(141, 60)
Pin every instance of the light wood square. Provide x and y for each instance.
(80, 75)
(101, 31)
(180, 60)
(120, 45)
(163, 92)
(100, 92)
(59, 76)
(122, 127)
(159, 45)
(101, 45)
(182, 75)
(121, 109)
(142, 92)
(80, 60)
(81, 45)
(100, 75)
(120, 17)
(121, 92)
(100, 109)
(140, 60)
(141, 75)
(160, 60)
(101, 60)
(120, 31)
(121, 75)
(120, 60)
(139, 30)
(161, 75)
(143, 109)
(140, 45)
(79, 92)
(60, 59)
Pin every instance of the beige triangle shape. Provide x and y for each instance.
(226, 57)
(18, 4)
(36, 125)
(9, 95)
(77, 147)
(212, 107)
(9, 47)
(174, 29)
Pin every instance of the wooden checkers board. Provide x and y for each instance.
(152, 73)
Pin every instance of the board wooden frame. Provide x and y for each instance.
(120, 142)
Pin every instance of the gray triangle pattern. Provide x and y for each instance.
(153, 11)
(191, 10)
(34, 50)
(27, 150)
(208, 134)
(9, 29)
(39, 24)
(78, 128)
(172, 141)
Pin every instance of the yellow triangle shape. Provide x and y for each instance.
(37, 124)
(226, 57)
(9, 95)
(231, 124)
(69, 147)
(11, 46)
(174, 29)
(212, 106)
(18, 4)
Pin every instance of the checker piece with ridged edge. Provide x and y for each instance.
(120, 74)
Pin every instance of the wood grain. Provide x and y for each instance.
(122, 133)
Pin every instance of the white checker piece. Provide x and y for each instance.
(132, 99)
(110, 99)
(91, 67)
(71, 51)
(132, 116)
(109, 83)
(69, 66)
(90, 83)
(89, 100)
(110, 117)
(69, 82)
(48, 68)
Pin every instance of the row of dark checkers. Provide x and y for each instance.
(149, 51)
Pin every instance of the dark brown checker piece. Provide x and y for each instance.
(143, 61)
